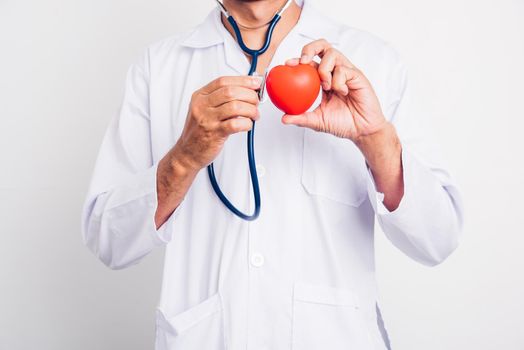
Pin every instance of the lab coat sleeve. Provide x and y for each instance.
(118, 216)
(427, 224)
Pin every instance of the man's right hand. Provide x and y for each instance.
(225, 106)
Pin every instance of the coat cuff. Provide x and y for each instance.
(409, 170)
(140, 198)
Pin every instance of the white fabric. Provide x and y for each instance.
(302, 275)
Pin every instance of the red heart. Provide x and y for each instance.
(293, 89)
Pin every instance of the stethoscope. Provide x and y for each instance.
(251, 133)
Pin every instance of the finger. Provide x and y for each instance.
(232, 93)
(307, 120)
(235, 125)
(314, 64)
(237, 109)
(296, 62)
(341, 75)
(355, 79)
(249, 82)
(315, 48)
(332, 59)
(293, 62)
(326, 67)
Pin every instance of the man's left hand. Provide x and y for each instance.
(350, 109)
(349, 106)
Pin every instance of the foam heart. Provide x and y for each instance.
(293, 89)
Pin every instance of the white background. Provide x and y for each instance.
(62, 69)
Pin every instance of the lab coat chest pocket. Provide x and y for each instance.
(333, 168)
(327, 318)
(200, 327)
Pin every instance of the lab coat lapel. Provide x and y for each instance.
(234, 56)
(212, 32)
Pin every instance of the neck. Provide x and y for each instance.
(253, 14)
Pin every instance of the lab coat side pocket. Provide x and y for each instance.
(200, 327)
(328, 318)
(333, 168)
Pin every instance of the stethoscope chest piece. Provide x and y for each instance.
(262, 95)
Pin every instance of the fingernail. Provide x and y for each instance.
(325, 85)
(304, 59)
(256, 81)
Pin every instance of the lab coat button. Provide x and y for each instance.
(261, 170)
(257, 260)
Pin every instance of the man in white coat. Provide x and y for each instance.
(302, 275)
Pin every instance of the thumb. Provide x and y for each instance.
(307, 120)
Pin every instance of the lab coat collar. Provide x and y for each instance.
(207, 33)
(311, 24)
(314, 25)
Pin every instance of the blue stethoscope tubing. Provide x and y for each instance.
(251, 133)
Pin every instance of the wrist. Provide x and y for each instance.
(174, 177)
(174, 174)
(174, 170)
(380, 147)
(181, 161)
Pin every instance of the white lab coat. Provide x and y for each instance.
(302, 275)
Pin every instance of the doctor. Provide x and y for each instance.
(302, 275)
